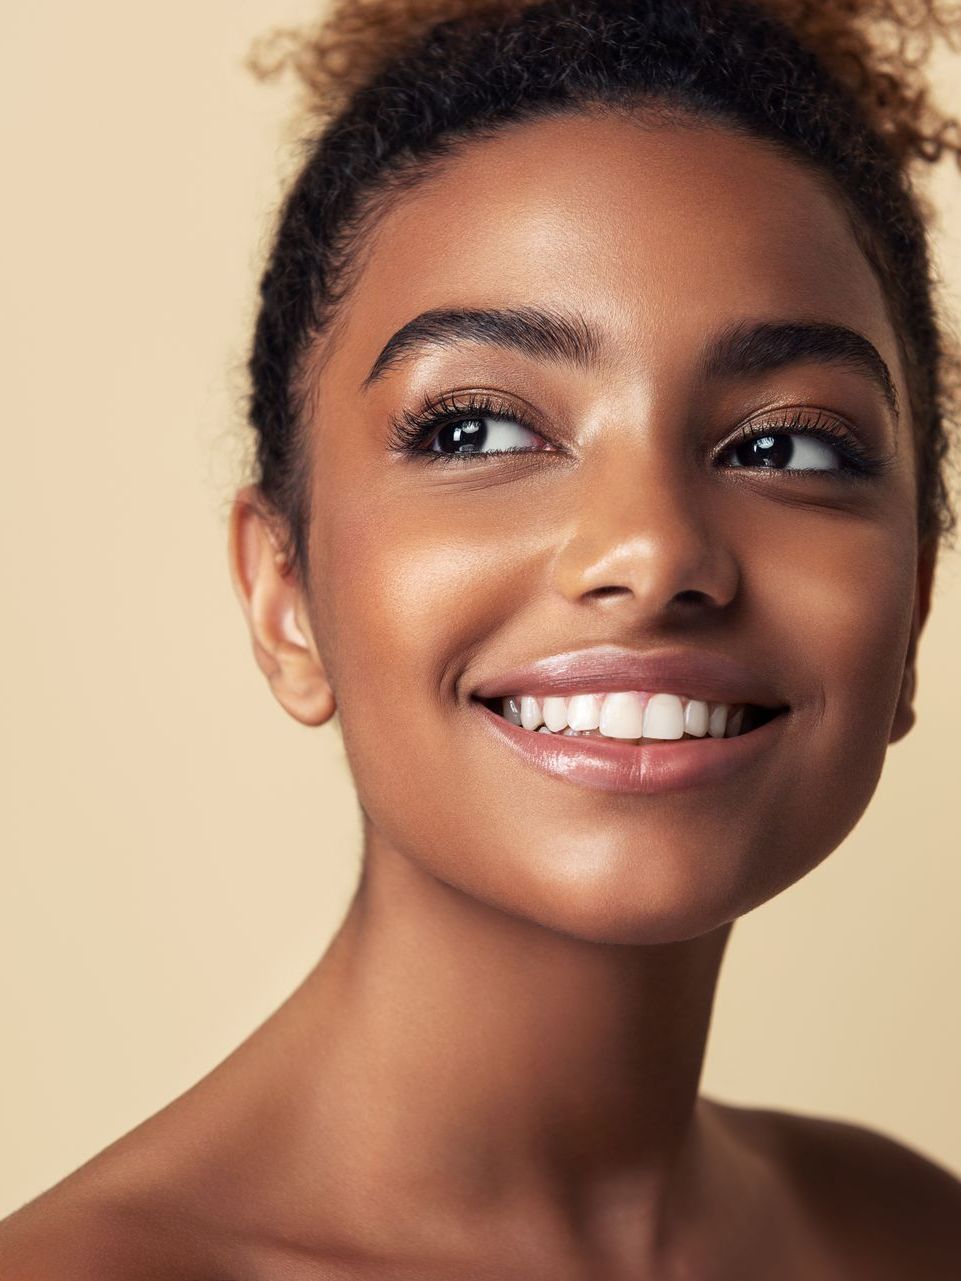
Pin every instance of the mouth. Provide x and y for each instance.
(633, 741)
(631, 717)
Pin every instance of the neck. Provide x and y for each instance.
(482, 1056)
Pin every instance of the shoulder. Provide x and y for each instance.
(122, 1221)
(59, 1236)
(147, 1206)
(884, 1209)
(77, 1231)
(67, 1237)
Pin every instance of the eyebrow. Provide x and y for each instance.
(743, 349)
(749, 348)
(543, 335)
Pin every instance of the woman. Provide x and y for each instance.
(599, 397)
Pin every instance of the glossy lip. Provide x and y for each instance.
(717, 678)
(647, 768)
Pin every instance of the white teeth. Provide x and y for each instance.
(625, 714)
(695, 717)
(717, 721)
(622, 715)
(584, 711)
(664, 717)
(555, 714)
(531, 715)
(512, 711)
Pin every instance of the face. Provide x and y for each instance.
(627, 513)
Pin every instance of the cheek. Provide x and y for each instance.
(410, 597)
(845, 601)
(839, 608)
(405, 594)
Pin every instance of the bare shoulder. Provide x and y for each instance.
(68, 1235)
(133, 1214)
(884, 1209)
(62, 1235)
(146, 1206)
(103, 1223)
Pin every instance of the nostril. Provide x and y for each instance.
(692, 595)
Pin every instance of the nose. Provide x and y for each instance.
(644, 537)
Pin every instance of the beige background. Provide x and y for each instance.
(176, 851)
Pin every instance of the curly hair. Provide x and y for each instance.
(389, 89)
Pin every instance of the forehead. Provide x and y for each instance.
(656, 233)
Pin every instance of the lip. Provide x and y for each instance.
(647, 768)
(713, 677)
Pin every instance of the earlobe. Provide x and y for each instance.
(904, 715)
(272, 599)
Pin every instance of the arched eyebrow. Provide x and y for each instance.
(744, 349)
(750, 348)
(543, 335)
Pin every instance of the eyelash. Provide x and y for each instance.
(410, 431)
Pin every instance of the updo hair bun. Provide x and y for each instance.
(880, 50)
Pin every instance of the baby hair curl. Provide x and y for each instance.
(388, 87)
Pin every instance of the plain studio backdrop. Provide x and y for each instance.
(177, 852)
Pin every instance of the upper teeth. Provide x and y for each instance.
(628, 714)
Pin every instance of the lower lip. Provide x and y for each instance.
(647, 768)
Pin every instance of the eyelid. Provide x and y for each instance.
(411, 430)
(776, 416)
(857, 458)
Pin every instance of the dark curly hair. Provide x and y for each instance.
(391, 88)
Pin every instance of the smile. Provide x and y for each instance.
(630, 715)
(633, 740)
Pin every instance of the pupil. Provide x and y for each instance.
(465, 435)
(765, 451)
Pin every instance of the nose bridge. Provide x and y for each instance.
(639, 524)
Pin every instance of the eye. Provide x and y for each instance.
(455, 430)
(802, 442)
(786, 451)
(484, 433)
(451, 429)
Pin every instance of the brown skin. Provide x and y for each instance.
(493, 1071)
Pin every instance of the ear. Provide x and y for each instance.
(273, 602)
(904, 713)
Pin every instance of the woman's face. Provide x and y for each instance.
(634, 518)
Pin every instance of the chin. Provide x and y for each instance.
(604, 922)
(596, 902)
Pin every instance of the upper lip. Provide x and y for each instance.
(701, 674)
